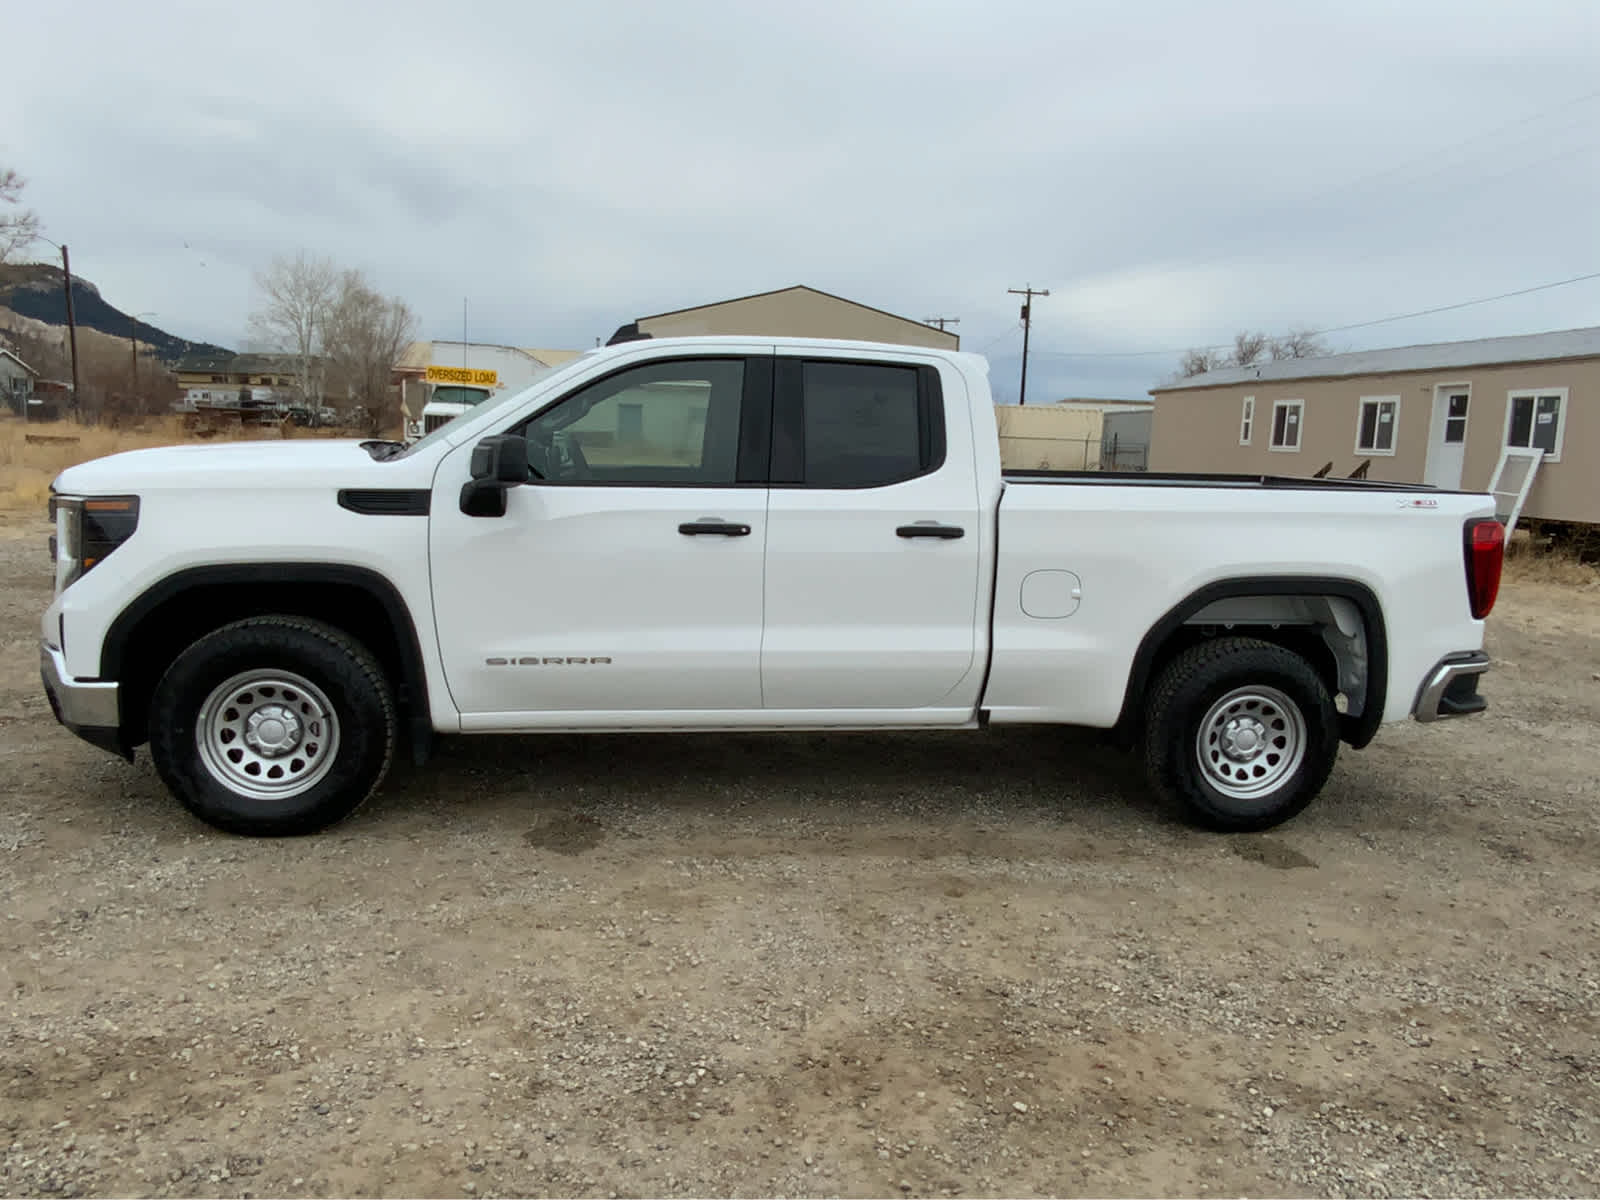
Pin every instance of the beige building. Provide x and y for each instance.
(1438, 414)
(790, 312)
(1074, 435)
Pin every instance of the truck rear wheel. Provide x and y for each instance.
(273, 726)
(1240, 734)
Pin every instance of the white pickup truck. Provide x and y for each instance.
(742, 534)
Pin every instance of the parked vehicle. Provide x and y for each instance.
(741, 534)
(449, 401)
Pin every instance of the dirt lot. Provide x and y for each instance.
(814, 965)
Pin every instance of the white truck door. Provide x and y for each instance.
(873, 539)
(627, 577)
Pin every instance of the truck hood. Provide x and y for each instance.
(311, 462)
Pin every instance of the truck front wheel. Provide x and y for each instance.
(273, 726)
(1240, 734)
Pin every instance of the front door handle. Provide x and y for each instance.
(724, 528)
(930, 529)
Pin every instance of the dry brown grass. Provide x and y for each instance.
(1531, 560)
(33, 453)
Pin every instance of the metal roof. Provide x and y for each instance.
(9, 354)
(955, 339)
(551, 358)
(418, 355)
(236, 364)
(1433, 356)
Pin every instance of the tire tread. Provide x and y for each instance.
(1167, 730)
(256, 633)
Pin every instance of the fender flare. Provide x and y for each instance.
(413, 675)
(1357, 731)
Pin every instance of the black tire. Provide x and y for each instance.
(1233, 766)
(346, 715)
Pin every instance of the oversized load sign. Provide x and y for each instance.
(467, 375)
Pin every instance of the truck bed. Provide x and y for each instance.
(1176, 479)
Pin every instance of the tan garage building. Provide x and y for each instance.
(1438, 414)
(797, 311)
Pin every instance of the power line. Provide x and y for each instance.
(1423, 312)
(1425, 159)
(1401, 168)
(996, 340)
(1464, 304)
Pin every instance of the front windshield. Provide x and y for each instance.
(495, 403)
(450, 393)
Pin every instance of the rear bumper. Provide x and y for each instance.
(1451, 688)
(90, 710)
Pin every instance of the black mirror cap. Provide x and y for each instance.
(501, 459)
(483, 498)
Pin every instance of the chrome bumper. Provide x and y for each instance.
(1451, 689)
(78, 706)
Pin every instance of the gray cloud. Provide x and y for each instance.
(1172, 172)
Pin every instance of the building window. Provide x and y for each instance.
(1455, 419)
(1247, 421)
(1536, 420)
(1286, 422)
(1375, 426)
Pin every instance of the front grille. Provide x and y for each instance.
(432, 421)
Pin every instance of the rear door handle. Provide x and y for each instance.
(930, 529)
(724, 528)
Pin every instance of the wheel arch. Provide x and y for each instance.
(177, 610)
(1177, 630)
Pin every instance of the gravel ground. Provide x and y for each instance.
(870, 964)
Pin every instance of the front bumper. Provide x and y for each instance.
(1451, 688)
(90, 710)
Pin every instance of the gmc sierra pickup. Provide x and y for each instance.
(738, 534)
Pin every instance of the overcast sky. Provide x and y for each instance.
(1172, 172)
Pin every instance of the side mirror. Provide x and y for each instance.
(502, 459)
(498, 464)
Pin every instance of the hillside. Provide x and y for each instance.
(34, 290)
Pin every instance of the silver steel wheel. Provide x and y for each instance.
(1250, 741)
(268, 734)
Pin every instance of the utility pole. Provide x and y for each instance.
(72, 331)
(133, 333)
(1028, 293)
(941, 322)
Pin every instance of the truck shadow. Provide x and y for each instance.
(1049, 773)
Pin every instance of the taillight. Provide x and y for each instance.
(1485, 546)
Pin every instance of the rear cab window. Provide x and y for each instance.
(844, 424)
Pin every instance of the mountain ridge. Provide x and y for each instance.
(35, 290)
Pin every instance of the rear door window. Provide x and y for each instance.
(857, 425)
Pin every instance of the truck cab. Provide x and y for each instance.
(447, 401)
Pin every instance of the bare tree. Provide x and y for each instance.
(1199, 361)
(296, 300)
(366, 332)
(1298, 343)
(1248, 347)
(19, 228)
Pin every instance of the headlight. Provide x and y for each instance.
(88, 529)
